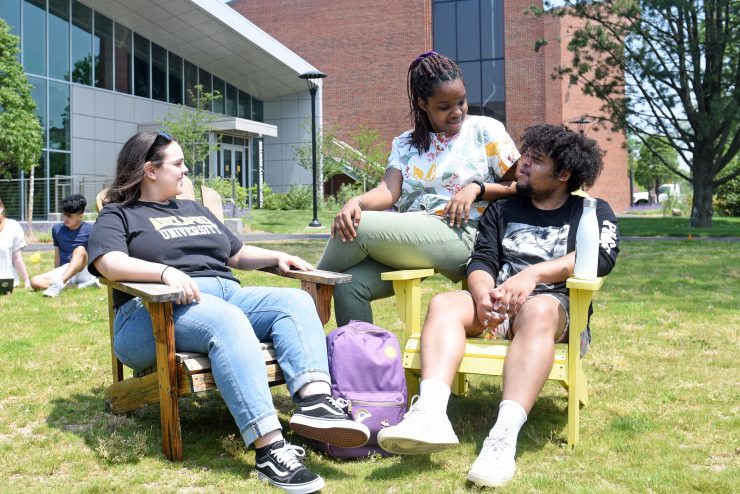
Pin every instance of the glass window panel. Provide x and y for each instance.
(245, 105)
(238, 141)
(471, 74)
(231, 100)
(444, 36)
(494, 83)
(141, 66)
(468, 30)
(103, 51)
(175, 78)
(159, 73)
(191, 80)
(38, 93)
(227, 163)
(219, 95)
(59, 115)
(123, 59)
(81, 43)
(258, 110)
(204, 79)
(227, 139)
(59, 164)
(492, 29)
(59, 39)
(34, 43)
(10, 10)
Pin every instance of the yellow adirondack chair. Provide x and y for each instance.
(486, 357)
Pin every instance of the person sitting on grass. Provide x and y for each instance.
(12, 242)
(70, 251)
(516, 275)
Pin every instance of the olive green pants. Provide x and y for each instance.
(387, 242)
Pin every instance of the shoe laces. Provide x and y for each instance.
(494, 447)
(414, 407)
(289, 456)
(339, 403)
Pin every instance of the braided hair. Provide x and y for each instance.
(425, 73)
(569, 150)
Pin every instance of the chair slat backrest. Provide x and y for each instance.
(212, 201)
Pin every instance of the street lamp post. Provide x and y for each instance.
(310, 78)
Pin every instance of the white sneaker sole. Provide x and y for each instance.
(307, 488)
(491, 481)
(400, 444)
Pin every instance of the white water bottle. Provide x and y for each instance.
(587, 242)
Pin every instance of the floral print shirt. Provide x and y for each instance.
(482, 150)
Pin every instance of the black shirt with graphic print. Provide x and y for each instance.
(513, 234)
(182, 234)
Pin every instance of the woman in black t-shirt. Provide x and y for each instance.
(145, 234)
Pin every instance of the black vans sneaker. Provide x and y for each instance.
(280, 465)
(323, 418)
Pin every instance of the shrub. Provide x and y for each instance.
(728, 199)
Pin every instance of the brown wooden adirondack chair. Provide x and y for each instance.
(180, 374)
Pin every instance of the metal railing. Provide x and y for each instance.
(48, 193)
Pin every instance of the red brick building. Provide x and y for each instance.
(365, 49)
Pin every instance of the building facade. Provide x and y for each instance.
(102, 70)
(366, 47)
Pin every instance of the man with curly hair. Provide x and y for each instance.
(524, 253)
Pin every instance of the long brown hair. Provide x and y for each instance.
(140, 148)
(425, 73)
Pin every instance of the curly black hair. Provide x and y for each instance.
(569, 150)
(73, 204)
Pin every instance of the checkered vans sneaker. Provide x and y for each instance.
(322, 418)
(281, 466)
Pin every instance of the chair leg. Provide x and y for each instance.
(412, 384)
(582, 388)
(460, 384)
(169, 407)
(574, 411)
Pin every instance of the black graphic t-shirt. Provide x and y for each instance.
(182, 234)
(513, 234)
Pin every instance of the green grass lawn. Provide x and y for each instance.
(663, 417)
(654, 226)
(296, 221)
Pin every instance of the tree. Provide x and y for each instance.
(21, 137)
(665, 68)
(190, 128)
(651, 169)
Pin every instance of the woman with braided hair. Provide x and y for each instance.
(440, 177)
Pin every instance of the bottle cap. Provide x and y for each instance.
(589, 202)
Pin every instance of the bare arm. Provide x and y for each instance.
(251, 257)
(118, 266)
(380, 198)
(20, 266)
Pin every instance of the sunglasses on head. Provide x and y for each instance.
(161, 134)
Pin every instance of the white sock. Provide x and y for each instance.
(511, 416)
(434, 395)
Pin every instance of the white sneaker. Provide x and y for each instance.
(90, 282)
(55, 288)
(420, 432)
(495, 464)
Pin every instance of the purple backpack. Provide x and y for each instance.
(366, 372)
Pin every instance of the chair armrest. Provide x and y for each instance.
(148, 292)
(578, 284)
(315, 276)
(406, 274)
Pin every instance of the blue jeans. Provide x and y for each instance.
(228, 325)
